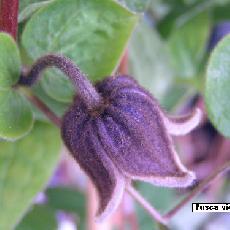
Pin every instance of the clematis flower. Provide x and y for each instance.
(125, 138)
(118, 133)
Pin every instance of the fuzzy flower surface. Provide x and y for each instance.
(127, 137)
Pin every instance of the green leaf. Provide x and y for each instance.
(180, 13)
(187, 46)
(16, 118)
(217, 93)
(221, 14)
(40, 217)
(57, 107)
(9, 61)
(92, 33)
(136, 5)
(74, 202)
(15, 114)
(25, 167)
(160, 198)
(149, 60)
(175, 96)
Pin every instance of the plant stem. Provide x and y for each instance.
(83, 86)
(197, 190)
(163, 220)
(45, 109)
(9, 17)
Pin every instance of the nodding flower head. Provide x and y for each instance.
(126, 137)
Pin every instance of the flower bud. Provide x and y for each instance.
(125, 137)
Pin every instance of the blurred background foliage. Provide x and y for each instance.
(168, 54)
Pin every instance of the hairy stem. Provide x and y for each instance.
(9, 17)
(85, 89)
(197, 190)
(45, 109)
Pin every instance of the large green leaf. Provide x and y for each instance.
(40, 217)
(9, 61)
(92, 33)
(217, 93)
(187, 46)
(25, 167)
(16, 117)
(149, 60)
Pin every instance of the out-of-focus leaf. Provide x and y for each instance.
(74, 200)
(16, 118)
(187, 46)
(180, 14)
(136, 5)
(161, 198)
(9, 61)
(167, 24)
(92, 33)
(221, 13)
(148, 60)
(25, 167)
(40, 217)
(217, 93)
(174, 97)
(68, 200)
(157, 10)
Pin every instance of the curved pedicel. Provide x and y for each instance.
(82, 85)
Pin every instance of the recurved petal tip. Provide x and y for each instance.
(183, 124)
(183, 180)
(113, 203)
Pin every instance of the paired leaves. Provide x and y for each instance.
(217, 92)
(92, 33)
(16, 118)
(25, 167)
